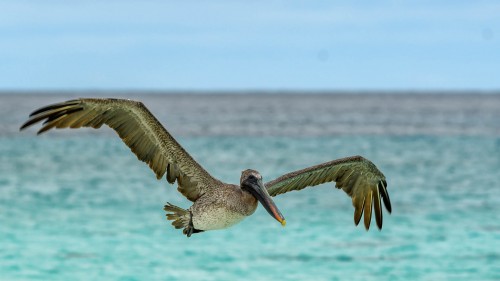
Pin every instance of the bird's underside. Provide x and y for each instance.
(215, 204)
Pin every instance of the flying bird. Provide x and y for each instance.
(216, 205)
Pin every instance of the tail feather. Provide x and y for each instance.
(181, 219)
(179, 216)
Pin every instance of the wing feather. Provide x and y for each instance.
(377, 207)
(358, 209)
(368, 209)
(139, 130)
(357, 176)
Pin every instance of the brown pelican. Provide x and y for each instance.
(217, 205)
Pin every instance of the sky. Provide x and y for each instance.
(249, 45)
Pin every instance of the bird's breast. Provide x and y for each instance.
(215, 217)
(222, 208)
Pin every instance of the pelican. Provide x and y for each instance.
(216, 205)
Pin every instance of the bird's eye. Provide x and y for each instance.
(252, 177)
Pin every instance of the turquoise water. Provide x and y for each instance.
(77, 205)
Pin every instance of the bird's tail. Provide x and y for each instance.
(181, 219)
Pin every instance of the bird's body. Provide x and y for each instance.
(216, 205)
(222, 207)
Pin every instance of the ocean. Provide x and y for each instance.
(77, 205)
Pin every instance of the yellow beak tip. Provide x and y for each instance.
(283, 223)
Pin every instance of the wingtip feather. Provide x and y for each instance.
(368, 211)
(358, 211)
(378, 210)
(54, 106)
(382, 187)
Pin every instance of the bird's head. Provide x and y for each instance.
(251, 181)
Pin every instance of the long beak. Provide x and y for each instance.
(260, 192)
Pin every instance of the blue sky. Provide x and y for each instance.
(250, 45)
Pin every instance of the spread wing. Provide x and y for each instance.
(139, 130)
(357, 176)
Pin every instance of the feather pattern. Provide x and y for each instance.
(139, 130)
(357, 176)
